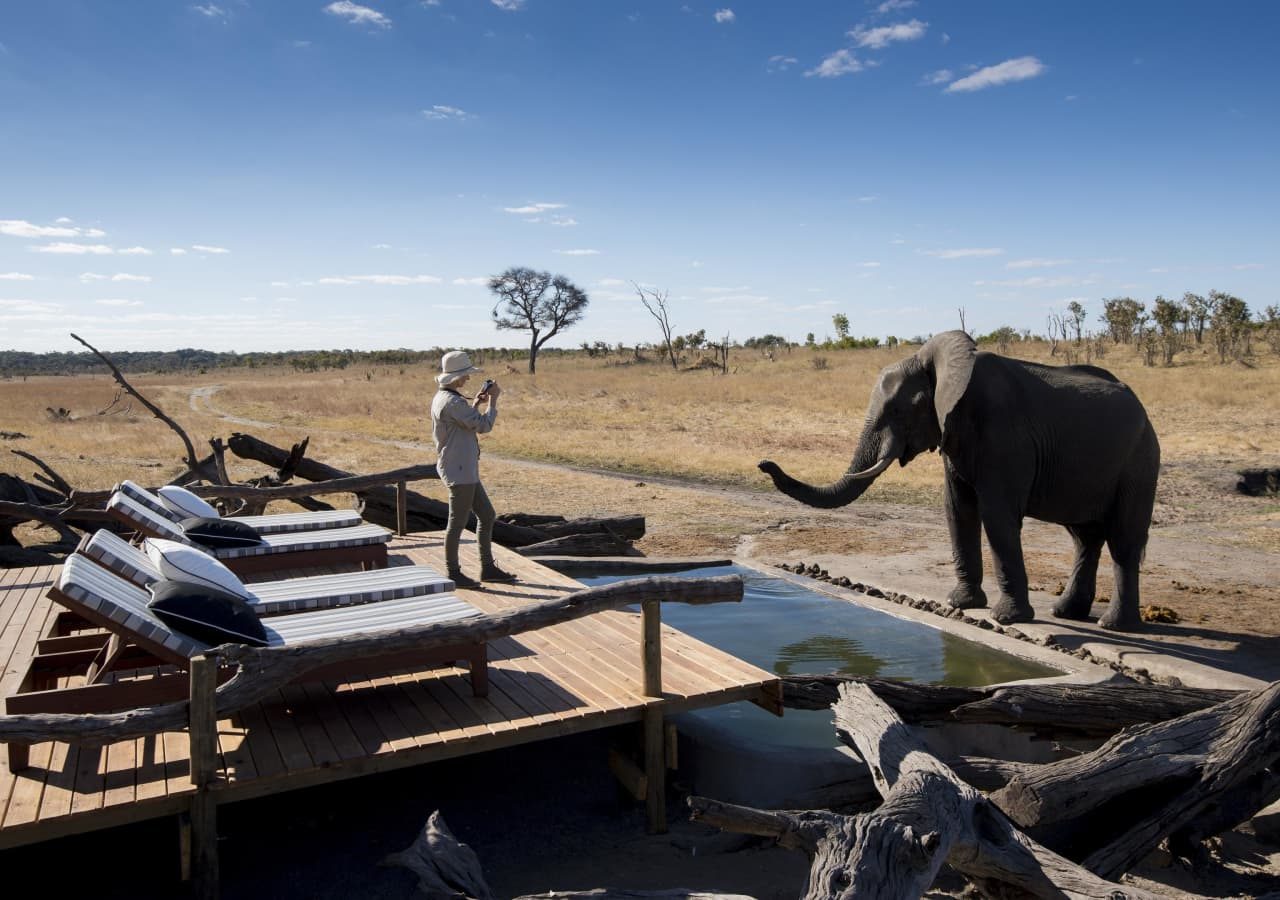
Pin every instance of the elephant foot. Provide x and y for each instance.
(1116, 619)
(1008, 611)
(1072, 607)
(966, 596)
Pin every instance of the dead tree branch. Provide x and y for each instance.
(54, 480)
(192, 462)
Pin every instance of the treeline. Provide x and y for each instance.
(16, 362)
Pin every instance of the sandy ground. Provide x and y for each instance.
(549, 816)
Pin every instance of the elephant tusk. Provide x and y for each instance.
(873, 471)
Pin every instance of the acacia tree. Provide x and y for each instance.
(537, 303)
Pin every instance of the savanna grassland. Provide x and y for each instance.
(687, 442)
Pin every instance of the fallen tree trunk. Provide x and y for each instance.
(1046, 709)
(586, 544)
(261, 671)
(629, 527)
(929, 816)
(1147, 783)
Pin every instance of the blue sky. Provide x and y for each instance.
(275, 174)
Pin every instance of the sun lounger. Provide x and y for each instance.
(270, 598)
(141, 641)
(365, 544)
(279, 523)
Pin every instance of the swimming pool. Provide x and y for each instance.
(788, 629)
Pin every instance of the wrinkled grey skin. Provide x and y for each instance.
(1068, 444)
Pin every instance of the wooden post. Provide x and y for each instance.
(202, 731)
(655, 757)
(402, 507)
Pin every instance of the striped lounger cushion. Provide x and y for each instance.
(280, 522)
(125, 604)
(270, 598)
(153, 523)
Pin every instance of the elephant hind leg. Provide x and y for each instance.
(1077, 599)
(1127, 532)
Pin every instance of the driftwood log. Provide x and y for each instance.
(261, 671)
(1049, 710)
(928, 817)
(446, 867)
(1115, 805)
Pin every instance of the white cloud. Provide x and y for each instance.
(178, 251)
(439, 113)
(381, 279)
(1246, 266)
(780, 63)
(300, 45)
(725, 17)
(16, 276)
(1037, 262)
(1010, 70)
(114, 302)
(868, 198)
(134, 251)
(211, 11)
(941, 76)
(508, 5)
(86, 277)
(357, 14)
(578, 252)
(476, 282)
(946, 38)
(24, 229)
(64, 220)
(205, 248)
(884, 35)
(558, 221)
(125, 276)
(381, 247)
(870, 265)
(964, 252)
(889, 6)
(842, 62)
(532, 209)
(66, 247)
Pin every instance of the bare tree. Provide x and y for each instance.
(655, 301)
(962, 325)
(537, 303)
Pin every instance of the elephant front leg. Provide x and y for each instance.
(1004, 533)
(1123, 612)
(965, 525)
(1077, 599)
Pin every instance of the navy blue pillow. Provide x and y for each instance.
(220, 533)
(206, 613)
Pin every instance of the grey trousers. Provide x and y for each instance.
(465, 499)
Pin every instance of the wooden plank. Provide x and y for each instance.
(284, 730)
(120, 773)
(310, 728)
(260, 743)
(335, 724)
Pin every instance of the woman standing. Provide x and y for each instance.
(455, 422)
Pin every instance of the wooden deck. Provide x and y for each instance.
(578, 676)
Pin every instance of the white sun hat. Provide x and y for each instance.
(454, 365)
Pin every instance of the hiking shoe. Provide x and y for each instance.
(464, 581)
(493, 573)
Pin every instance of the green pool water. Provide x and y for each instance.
(788, 629)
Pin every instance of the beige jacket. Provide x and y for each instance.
(454, 426)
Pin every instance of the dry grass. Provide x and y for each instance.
(642, 419)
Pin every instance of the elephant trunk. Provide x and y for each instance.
(870, 459)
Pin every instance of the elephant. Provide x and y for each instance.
(1070, 445)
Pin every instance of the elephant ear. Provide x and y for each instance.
(949, 358)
